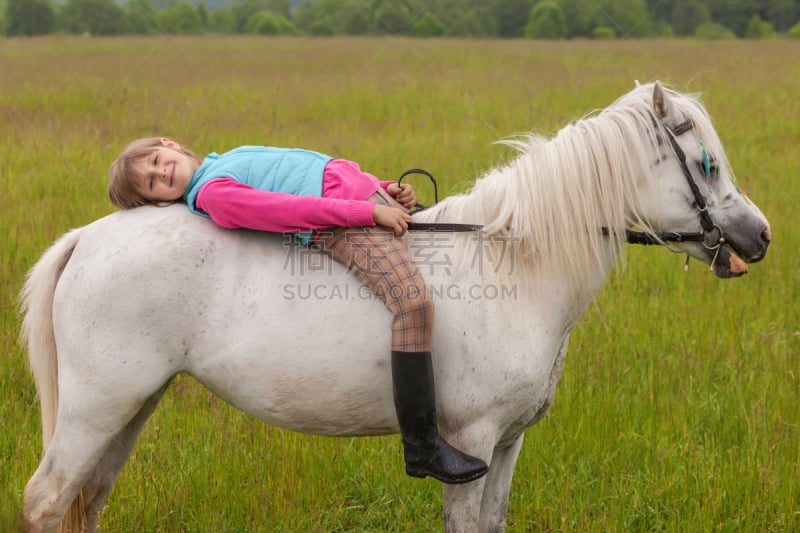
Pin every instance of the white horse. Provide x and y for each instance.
(114, 310)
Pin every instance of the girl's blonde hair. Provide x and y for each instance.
(122, 189)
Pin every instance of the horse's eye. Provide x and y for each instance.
(709, 172)
(701, 165)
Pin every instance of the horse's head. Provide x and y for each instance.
(691, 188)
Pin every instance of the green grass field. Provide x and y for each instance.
(679, 409)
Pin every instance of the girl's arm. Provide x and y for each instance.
(235, 205)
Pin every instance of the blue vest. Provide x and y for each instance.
(287, 170)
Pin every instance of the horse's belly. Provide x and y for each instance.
(323, 382)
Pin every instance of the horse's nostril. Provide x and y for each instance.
(767, 235)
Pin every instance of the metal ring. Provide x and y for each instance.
(720, 239)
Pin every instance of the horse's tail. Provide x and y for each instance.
(39, 338)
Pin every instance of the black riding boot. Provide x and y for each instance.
(426, 453)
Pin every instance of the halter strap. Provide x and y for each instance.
(705, 219)
(682, 128)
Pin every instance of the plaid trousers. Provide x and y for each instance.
(383, 263)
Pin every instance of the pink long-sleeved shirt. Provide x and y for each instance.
(345, 189)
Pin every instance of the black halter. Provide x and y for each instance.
(711, 235)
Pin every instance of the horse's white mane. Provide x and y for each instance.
(556, 195)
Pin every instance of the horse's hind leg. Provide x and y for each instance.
(91, 442)
(98, 487)
(68, 462)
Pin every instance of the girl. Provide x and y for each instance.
(301, 192)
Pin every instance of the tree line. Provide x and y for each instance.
(537, 19)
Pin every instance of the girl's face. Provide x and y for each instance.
(164, 175)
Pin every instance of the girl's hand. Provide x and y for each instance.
(392, 218)
(404, 194)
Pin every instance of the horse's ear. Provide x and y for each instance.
(662, 105)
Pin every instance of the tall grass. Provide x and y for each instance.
(678, 409)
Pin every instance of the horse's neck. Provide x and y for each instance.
(539, 217)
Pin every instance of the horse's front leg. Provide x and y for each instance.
(462, 506)
(462, 503)
(494, 506)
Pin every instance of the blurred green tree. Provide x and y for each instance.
(140, 17)
(546, 21)
(687, 16)
(222, 21)
(759, 29)
(95, 17)
(29, 17)
(266, 22)
(180, 18)
(393, 17)
(428, 25)
(512, 16)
